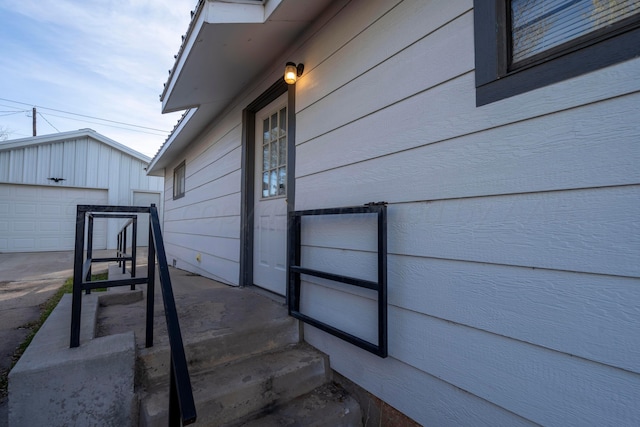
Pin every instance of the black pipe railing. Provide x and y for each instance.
(181, 404)
(380, 286)
(121, 247)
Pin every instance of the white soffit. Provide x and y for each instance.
(228, 44)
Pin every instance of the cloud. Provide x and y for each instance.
(96, 57)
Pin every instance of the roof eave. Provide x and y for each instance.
(75, 134)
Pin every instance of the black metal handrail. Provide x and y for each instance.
(296, 270)
(121, 246)
(181, 403)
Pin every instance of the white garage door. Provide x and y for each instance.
(40, 218)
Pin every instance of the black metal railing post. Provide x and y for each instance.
(151, 285)
(89, 250)
(76, 297)
(178, 359)
(134, 244)
(382, 280)
(124, 249)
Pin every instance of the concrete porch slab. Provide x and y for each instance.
(55, 385)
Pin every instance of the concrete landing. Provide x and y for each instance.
(55, 385)
(217, 321)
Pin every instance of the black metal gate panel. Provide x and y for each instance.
(296, 270)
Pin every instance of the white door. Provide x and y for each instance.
(144, 198)
(270, 205)
(41, 218)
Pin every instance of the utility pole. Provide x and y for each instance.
(34, 121)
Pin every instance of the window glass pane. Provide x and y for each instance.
(282, 152)
(283, 121)
(273, 189)
(282, 181)
(265, 184)
(265, 131)
(179, 181)
(274, 155)
(265, 157)
(274, 152)
(274, 126)
(539, 25)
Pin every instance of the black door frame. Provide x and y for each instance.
(247, 207)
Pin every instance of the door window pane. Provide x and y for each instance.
(282, 152)
(266, 135)
(273, 189)
(274, 127)
(265, 184)
(282, 181)
(274, 154)
(283, 122)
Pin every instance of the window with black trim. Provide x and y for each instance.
(521, 45)
(179, 181)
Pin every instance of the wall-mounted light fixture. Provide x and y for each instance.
(292, 72)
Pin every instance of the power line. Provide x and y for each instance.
(89, 117)
(102, 124)
(13, 108)
(45, 119)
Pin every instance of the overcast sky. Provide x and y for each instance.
(106, 59)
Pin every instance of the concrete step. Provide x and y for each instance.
(326, 406)
(218, 345)
(244, 388)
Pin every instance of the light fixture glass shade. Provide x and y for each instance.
(290, 73)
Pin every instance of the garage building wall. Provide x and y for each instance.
(81, 160)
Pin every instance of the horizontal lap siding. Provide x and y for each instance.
(513, 238)
(205, 223)
(413, 391)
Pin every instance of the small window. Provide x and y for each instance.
(178, 181)
(522, 45)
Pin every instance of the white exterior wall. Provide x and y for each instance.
(513, 233)
(84, 163)
(513, 238)
(205, 223)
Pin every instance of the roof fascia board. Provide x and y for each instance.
(191, 37)
(118, 146)
(215, 12)
(153, 168)
(234, 12)
(270, 7)
(76, 134)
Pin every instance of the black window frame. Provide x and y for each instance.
(181, 166)
(496, 79)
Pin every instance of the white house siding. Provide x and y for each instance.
(205, 223)
(84, 163)
(513, 238)
(513, 233)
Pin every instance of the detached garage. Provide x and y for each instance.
(44, 178)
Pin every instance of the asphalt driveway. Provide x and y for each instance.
(26, 281)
